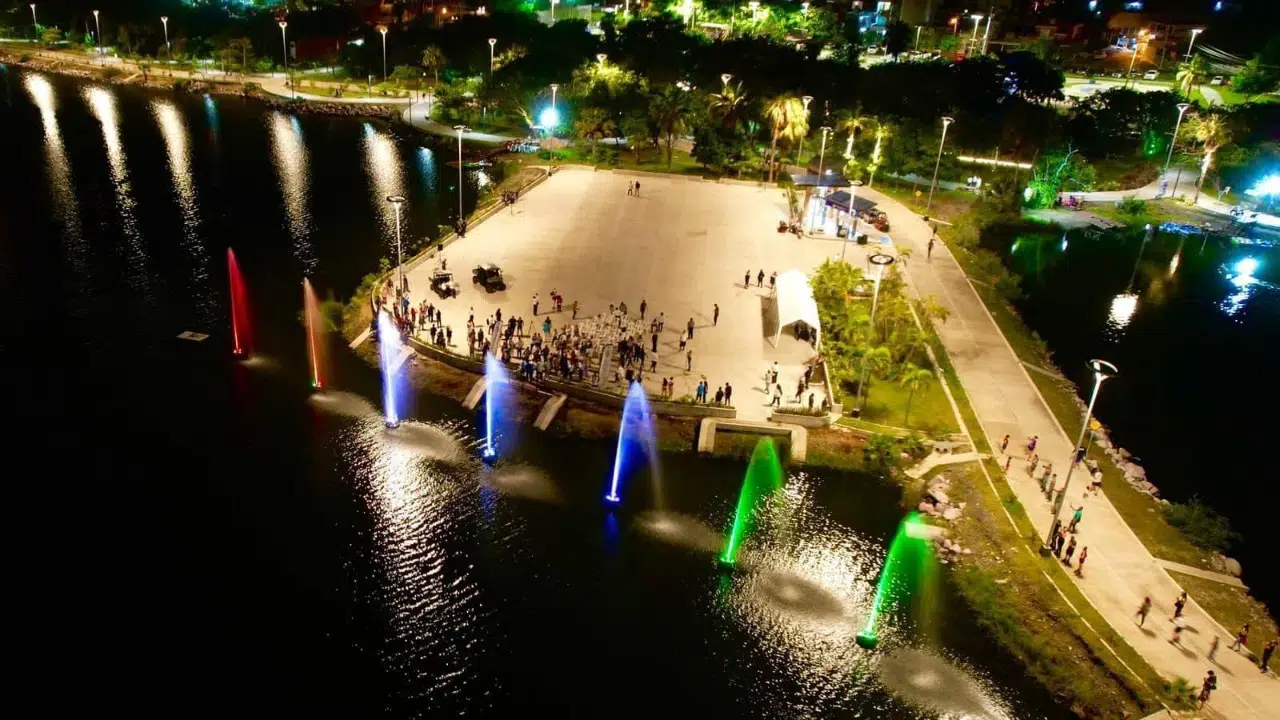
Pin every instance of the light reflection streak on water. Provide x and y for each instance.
(103, 106)
(1123, 308)
(1245, 288)
(289, 152)
(386, 178)
(177, 147)
(57, 166)
(211, 112)
(432, 602)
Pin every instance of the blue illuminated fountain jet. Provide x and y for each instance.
(497, 390)
(635, 442)
(389, 347)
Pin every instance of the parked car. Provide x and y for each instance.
(443, 285)
(489, 277)
(1150, 75)
(1217, 80)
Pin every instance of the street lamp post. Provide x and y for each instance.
(461, 222)
(284, 49)
(1182, 108)
(383, 30)
(881, 261)
(853, 213)
(822, 154)
(987, 33)
(955, 25)
(946, 123)
(492, 42)
(1102, 370)
(553, 11)
(724, 79)
(396, 201)
(600, 58)
(976, 18)
(34, 22)
(1142, 37)
(918, 29)
(98, 24)
(1194, 33)
(168, 49)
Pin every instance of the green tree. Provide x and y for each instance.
(1211, 132)
(592, 124)
(788, 122)
(51, 35)
(912, 378)
(668, 109)
(1254, 79)
(244, 46)
(896, 37)
(875, 362)
(728, 106)
(1191, 74)
(434, 61)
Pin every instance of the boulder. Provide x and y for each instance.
(925, 507)
(1232, 566)
(1125, 454)
(938, 494)
(951, 513)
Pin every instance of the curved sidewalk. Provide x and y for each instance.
(1120, 570)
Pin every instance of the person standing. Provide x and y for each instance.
(728, 394)
(644, 305)
(1178, 604)
(662, 321)
(1143, 609)
(1071, 550)
(1242, 637)
(1084, 553)
(637, 188)
(683, 339)
(1213, 648)
(746, 279)
(811, 402)
(760, 278)
(1004, 444)
(535, 304)
(773, 281)
(688, 359)
(777, 395)
(715, 314)
(1048, 490)
(720, 396)
(1075, 519)
(654, 339)
(631, 188)
(1267, 651)
(1007, 462)
(1031, 445)
(690, 325)
(575, 309)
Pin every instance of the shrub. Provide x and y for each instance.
(1132, 206)
(109, 73)
(1203, 526)
(913, 445)
(252, 88)
(880, 453)
(803, 410)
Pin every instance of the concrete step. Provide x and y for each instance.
(549, 410)
(473, 397)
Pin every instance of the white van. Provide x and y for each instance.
(1150, 75)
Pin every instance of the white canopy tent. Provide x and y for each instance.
(796, 304)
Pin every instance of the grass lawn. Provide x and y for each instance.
(886, 404)
(1232, 607)
(1123, 173)
(947, 204)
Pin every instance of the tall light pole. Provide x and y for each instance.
(553, 11)
(1142, 37)
(822, 153)
(853, 214)
(976, 18)
(284, 48)
(918, 29)
(383, 30)
(955, 25)
(987, 33)
(34, 22)
(461, 223)
(1182, 108)
(1102, 370)
(880, 261)
(168, 49)
(946, 123)
(724, 80)
(98, 24)
(492, 42)
(600, 58)
(1189, 45)
(396, 201)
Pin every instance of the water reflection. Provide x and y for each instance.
(386, 176)
(291, 161)
(1244, 286)
(176, 143)
(103, 106)
(56, 164)
(1123, 307)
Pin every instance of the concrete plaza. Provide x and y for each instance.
(683, 245)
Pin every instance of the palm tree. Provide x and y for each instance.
(592, 124)
(874, 362)
(913, 378)
(852, 124)
(1192, 73)
(788, 121)
(727, 107)
(668, 108)
(883, 130)
(1211, 131)
(433, 60)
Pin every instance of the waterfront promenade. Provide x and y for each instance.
(1120, 570)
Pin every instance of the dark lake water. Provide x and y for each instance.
(1193, 324)
(189, 531)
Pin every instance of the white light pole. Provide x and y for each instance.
(1102, 370)
(284, 48)
(98, 23)
(383, 30)
(976, 18)
(553, 11)
(1182, 108)
(918, 29)
(724, 79)
(881, 261)
(396, 201)
(168, 49)
(492, 42)
(946, 123)
(34, 21)
(600, 58)
(554, 88)
(987, 33)
(1189, 45)
(1142, 37)
(822, 153)
(461, 223)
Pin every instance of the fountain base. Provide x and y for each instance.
(489, 456)
(867, 639)
(392, 424)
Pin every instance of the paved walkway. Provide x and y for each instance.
(1120, 570)
(416, 115)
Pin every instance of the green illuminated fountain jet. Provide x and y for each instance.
(764, 475)
(905, 572)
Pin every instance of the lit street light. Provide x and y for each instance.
(98, 23)
(383, 30)
(1142, 37)
(987, 33)
(880, 261)
(600, 58)
(168, 49)
(946, 123)
(724, 79)
(1192, 44)
(955, 25)
(284, 47)
(461, 222)
(553, 11)
(34, 21)
(976, 18)
(1102, 370)
(396, 201)
(822, 153)
(1182, 108)
(492, 42)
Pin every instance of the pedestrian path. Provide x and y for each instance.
(1120, 570)
(416, 115)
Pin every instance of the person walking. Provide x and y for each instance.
(760, 278)
(1004, 444)
(1007, 462)
(777, 395)
(575, 309)
(1176, 637)
(1178, 604)
(1035, 460)
(644, 306)
(683, 339)
(637, 188)
(1242, 637)
(1031, 445)
(728, 394)
(1071, 550)
(654, 340)
(1048, 490)
(631, 188)
(1143, 609)
(1084, 553)
(715, 314)
(690, 326)
(1207, 687)
(535, 304)
(1075, 519)
(662, 321)
(1267, 651)
(929, 250)
(688, 360)
(1213, 648)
